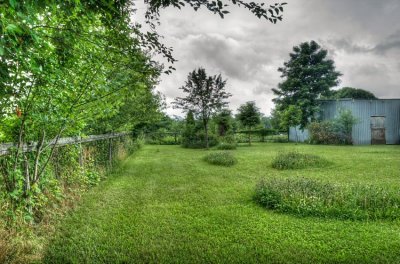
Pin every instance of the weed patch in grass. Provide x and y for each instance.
(221, 158)
(297, 160)
(307, 197)
(226, 146)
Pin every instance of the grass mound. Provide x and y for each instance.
(296, 160)
(307, 197)
(226, 146)
(221, 158)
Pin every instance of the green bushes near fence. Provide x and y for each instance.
(306, 197)
(296, 160)
(198, 140)
(72, 169)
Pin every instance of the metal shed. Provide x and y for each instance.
(378, 120)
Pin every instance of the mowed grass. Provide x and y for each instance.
(167, 205)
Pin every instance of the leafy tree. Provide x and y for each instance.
(308, 75)
(63, 66)
(354, 93)
(189, 133)
(205, 96)
(343, 125)
(249, 116)
(291, 117)
(223, 119)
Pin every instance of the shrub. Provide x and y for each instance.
(226, 146)
(198, 141)
(307, 197)
(336, 131)
(280, 139)
(296, 160)
(323, 133)
(221, 158)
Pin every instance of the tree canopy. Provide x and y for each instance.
(308, 75)
(223, 119)
(249, 116)
(205, 96)
(350, 92)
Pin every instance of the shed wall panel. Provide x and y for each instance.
(362, 110)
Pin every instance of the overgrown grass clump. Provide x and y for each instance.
(226, 146)
(307, 197)
(223, 158)
(296, 160)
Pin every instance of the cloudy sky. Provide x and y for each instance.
(362, 37)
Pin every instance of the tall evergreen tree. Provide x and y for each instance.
(308, 75)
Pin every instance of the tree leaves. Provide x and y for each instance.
(308, 75)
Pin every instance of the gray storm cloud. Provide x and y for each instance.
(362, 37)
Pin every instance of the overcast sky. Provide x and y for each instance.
(362, 37)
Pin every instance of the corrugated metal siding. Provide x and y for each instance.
(302, 135)
(363, 110)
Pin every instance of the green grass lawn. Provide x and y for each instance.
(167, 205)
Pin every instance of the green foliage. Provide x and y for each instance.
(323, 133)
(221, 158)
(354, 93)
(336, 131)
(295, 160)
(308, 76)
(191, 129)
(166, 131)
(226, 146)
(163, 139)
(194, 137)
(205, 96)
(280, 138)
(291, 116)
(343, 125)
(272, 13)
(199, 141)
(249, 116)
(306, 197)
(223, 120)
(67, 68)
